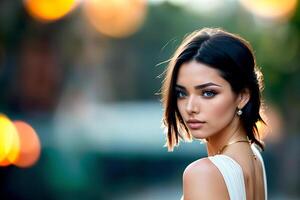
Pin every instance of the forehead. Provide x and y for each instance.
(196, 73)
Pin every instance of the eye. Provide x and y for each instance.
(209, 93)
(180, 94)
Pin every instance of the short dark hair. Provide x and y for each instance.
(233, 57)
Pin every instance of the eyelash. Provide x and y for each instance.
(211, 92)
(180, 94)
(205, 93)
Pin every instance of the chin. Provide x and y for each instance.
(198, 135)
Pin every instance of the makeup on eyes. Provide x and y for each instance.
(208, 93)
(180, 92)
(207, 90)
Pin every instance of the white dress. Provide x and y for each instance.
(233, 174)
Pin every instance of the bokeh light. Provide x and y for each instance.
(30, 147)
(49, 10)
(116, 18)
(272, 130)
(9, 143)
(262, 129)
(14, 149)
(275, 10)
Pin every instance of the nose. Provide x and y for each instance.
(192, 106)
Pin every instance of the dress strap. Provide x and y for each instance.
(257, 154)
(232, 174)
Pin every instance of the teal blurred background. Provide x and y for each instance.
(88, 84)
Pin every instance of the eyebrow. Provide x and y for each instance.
(201, 86)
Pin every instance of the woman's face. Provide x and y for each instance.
(204, 99)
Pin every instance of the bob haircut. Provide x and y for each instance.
(233, 57)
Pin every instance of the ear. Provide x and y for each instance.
(243, 98)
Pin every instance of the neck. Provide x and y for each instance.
(233, 132)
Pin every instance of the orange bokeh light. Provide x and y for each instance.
(271, 9)
(19, 143)
(30, 147)
(116, 18)
(272, 130)
(262, 129)
(5, 163)
(49, 10)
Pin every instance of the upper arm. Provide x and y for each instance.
(202, 180)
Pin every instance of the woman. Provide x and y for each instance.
(211, 92)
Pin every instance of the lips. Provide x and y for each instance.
(195, 124)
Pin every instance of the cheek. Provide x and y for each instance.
(221, 108)
(180, 106)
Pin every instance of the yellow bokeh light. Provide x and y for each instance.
(8, 140)
(271, 9)
(49, 10)
(13, 153)
(116, 18)
(19, 143)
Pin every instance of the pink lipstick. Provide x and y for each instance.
(195, 124)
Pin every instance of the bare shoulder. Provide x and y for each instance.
(200, 166)
(202, 179)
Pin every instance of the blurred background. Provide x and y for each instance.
(85, 74)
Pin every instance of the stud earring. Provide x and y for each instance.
(239, 112)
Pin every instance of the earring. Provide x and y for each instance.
(239, 112)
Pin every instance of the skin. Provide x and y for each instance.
(203, 95)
